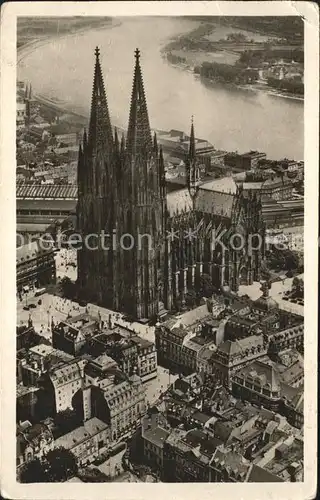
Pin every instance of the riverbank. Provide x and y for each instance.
(258, 86)
(204, 45)
(39, 41)
(168, 97)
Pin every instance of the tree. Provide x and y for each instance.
(67, 287)
(295, 282)
(291, 260)
(237, 37)
(33, 472)
(297, 287)
(61, 464)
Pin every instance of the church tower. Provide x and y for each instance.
(192, 168)
(140, 208)
(121, 191)
(96, 184)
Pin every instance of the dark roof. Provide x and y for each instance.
(222, 430)
(201, 417)
(157, 436)
(260, 475)
(241, 345)
(141, 342)
(46, 191)
(265, 304)
(207, 443)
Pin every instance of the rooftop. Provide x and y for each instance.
(285, 456)
(260, 475)
(141, 342)
(222, 185)
(179, 201)
(240, 345)
(225, 458)
(67, 371)
(188, 318)
(156, 436)
(262, 374)
(42, 350)
(214, 202)
(86, 431)
(51, 191)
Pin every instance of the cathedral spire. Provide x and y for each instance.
(139, 133)
(162, 174)
(193, 172)
(100, 132)
(192, 147)
(155, 143)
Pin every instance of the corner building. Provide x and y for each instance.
(122, 192)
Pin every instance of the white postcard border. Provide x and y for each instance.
(10, 488)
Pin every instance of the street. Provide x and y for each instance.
(66, 261)
(159, 384)
(113, 467)
(58, 308)
(51, 308)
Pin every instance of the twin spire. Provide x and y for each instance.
(100, 130)
(139, 138)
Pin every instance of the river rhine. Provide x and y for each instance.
(230, 118)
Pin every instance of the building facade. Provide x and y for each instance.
(35, 263)
(40, 205)
(33, 441)
(163, 242)
(86, 442)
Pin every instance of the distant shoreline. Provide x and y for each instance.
(251, 86)
(190, 65)
(38, 42)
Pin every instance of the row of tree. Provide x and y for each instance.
(255, 58)
(286, 260)
(289, 27)
(58, 465)
(226, 73)
(175, 59)
(286, 85)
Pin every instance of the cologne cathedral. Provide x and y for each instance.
(162, 243)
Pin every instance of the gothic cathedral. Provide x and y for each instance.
(153, 247)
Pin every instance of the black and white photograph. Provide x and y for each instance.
(160, 248)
